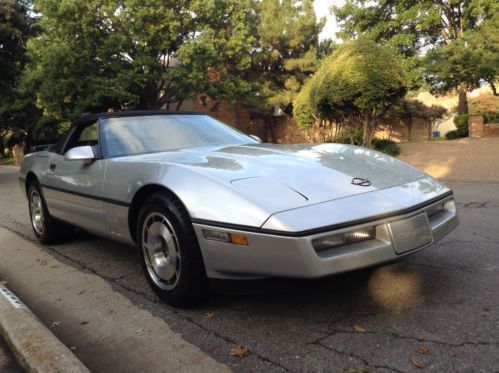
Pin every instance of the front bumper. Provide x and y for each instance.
(273, 255)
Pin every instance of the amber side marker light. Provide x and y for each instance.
(239, 239)
(234, 238)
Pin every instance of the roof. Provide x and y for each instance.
(130, 113)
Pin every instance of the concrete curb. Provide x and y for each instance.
(35, 348)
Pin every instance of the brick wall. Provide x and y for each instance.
(491, 130)
(477, 127)
(285, 130)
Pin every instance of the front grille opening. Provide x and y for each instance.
(343, 239)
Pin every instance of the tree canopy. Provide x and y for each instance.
(415, 27)
(94, 55)
(356, 85)
(17, 109)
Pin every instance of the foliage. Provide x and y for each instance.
(350, 135)
(439, 28)
(286, 51)
(97, 54)
(303, 111)
(452, 135)
(386, 146)
(354, 137)
(461, 123)
(355, 87)
(17, 113)
(486, 104)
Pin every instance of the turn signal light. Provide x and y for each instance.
(235, 238)
(239, 239)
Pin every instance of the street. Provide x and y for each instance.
(438, 309)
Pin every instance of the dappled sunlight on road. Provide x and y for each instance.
(396, 288)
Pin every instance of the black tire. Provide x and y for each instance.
(47, 229)
(165, 233)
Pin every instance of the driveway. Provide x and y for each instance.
(469, 160)
(438, 309)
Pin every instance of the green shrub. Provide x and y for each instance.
(461, 123)
(347, 134)
(490, 117)
(452, 135)
(386, 146)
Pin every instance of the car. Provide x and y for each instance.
(203, 201)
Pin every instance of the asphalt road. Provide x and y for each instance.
(443, 302)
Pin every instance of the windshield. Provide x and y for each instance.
(157, 133)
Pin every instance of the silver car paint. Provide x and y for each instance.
(286, 188)
(269, 255)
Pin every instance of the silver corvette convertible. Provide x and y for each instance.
(202, 200)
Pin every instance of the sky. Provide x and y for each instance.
(322, 9)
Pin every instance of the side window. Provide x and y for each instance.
(84, 135)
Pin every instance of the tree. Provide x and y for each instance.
(467, 62)
(285, 53)
(355, 86)
(16, 26)
(415, 27)
(97, 54)
(408, 110)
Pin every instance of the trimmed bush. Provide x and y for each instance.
(452, 135)
(347, 134)
(386, 146)
(461, 123)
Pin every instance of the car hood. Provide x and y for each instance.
(288, 176)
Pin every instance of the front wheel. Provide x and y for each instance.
(170, 252)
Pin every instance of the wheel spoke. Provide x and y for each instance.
(161, 251)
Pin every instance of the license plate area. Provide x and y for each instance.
(410, 233)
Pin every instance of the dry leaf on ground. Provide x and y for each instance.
(423, 350)
(416, 362)
(55, 323)
(84, 322)
(209, 315)
(239, 351)
(81, 292)
(359, 328)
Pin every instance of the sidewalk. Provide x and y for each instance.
(106, 331)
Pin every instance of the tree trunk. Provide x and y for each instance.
(368, 133)
(430, 128)
(409, 130)
(269, 125)
(2, 147)
(462, 106)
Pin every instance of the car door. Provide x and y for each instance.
(73, 188)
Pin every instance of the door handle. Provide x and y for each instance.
(52, 167)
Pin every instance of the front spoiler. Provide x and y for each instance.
(272, 255)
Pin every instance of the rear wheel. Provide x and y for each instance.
(47, 229)
(170, 252)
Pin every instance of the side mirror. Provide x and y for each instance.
(255, 137)
(80, 153)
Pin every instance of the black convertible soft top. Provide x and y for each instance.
(130, 113)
